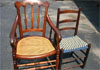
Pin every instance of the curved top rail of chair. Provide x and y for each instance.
(31, 2)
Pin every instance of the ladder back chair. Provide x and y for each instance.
(34, 46)
(73, 43)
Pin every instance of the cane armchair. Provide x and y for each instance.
(71, 44)
(30, 47)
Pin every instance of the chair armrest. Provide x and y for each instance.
(59, 37)
(13, 32)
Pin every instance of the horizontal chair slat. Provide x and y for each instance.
(67, 20)
(67, 28)
(68, 11)
(43, 67)
(44, 62)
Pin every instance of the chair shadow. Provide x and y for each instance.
(91, 11)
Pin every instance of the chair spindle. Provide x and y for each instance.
(32, 19)
(25, 20)
(38, 18)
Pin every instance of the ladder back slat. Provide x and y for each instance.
(25, 19)
(32, 19)
(68, 11)
(67, 20)
(38, 18)
(67, 28)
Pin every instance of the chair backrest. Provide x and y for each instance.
(68, 20)
(23, 4)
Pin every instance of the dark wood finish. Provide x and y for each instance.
(72, 66)
(50, 34)
(68, 20)
(78, 57)
(77, 22)
(72, 59)
(67, 11)
(67, 28)
(17, 23)
(60, 58)
(83, 59)
(13, 32)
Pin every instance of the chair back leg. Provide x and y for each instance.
(60, 58)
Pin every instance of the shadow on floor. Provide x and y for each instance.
(91, 11)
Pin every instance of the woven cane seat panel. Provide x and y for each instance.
(34, 46)
(72, 44)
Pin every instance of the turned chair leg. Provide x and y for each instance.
(15, 64)
(87, 52)
(14, 60)
(60, 58)
(57, 61)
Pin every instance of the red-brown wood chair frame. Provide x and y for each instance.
(14, 39)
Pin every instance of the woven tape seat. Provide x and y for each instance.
(34, 45)
(72, 44)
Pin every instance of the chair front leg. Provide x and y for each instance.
(87, 52)
(57, 61)
(14, 59)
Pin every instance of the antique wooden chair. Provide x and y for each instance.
(73, 43)
(37, 46)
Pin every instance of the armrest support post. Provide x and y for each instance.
(58, 35)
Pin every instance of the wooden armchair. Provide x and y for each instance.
(73, 43)
(37, 46)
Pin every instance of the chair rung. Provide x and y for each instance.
(71, 59)
(43, 67)
(78, 56)
(44, 62)
(83, 52)
(72, 66)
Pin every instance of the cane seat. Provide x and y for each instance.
(34, 45)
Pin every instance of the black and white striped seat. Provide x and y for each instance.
(73, 43)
